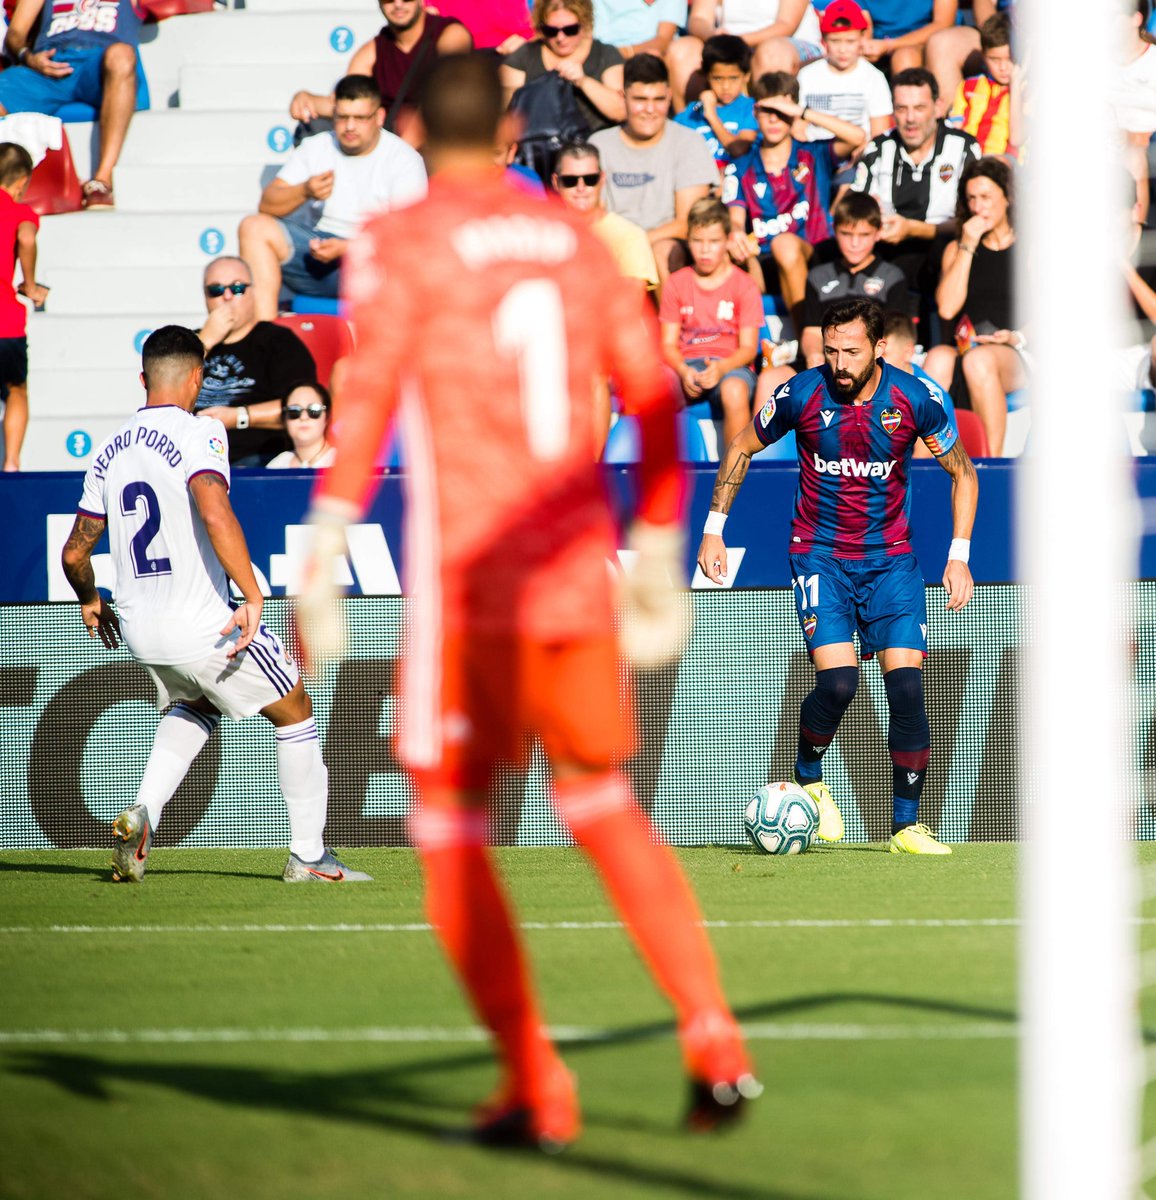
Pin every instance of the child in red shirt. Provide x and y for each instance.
(18, 226)
(711, 315)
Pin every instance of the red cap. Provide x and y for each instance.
(842, 16)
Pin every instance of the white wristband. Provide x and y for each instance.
(960, 550)
(715, 521)
(242, 418)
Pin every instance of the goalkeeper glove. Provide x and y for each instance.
(656, 611)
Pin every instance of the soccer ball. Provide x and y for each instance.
(781, 819)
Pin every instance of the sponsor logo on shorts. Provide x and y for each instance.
(810, 624)
(851, 468)
(891, 419)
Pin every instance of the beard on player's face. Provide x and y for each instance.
(849, 384)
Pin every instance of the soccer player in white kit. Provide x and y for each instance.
(161, 486)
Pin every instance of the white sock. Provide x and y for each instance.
(180, 737)
(305, 786)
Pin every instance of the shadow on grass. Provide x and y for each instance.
(399, 1097)
(388, 1097)
(94, 870)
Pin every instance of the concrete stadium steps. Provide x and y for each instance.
(172, 137)
(346, 14)
(117, 241)
(74, 395)
(64, 443)
(242, 37)
(200, 187)
(98, 343)
(218, 87)
(81, 291)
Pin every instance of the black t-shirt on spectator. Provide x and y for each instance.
(263, 365)
(833, 280)
(528, 58)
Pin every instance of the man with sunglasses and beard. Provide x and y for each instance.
(250, 366)
(856, 421)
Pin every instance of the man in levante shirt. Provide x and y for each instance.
(857, 420)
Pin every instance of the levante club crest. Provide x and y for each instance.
(810, 622)
(892, 418)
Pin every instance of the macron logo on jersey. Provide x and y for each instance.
(852, 467)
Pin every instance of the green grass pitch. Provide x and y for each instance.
(216, 1032)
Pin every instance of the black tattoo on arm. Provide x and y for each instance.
(76, 558)
(731, 473)
(956, 462)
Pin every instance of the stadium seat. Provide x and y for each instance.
(54, 186)
(327, 337)
(972, 433)
(316, 304)
(161, 10)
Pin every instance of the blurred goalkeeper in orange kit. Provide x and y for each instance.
(483, 318)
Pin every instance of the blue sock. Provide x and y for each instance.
(903, 813)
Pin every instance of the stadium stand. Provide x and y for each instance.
(328, 338)
(193, 164)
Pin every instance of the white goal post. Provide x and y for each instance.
(1080, 1063)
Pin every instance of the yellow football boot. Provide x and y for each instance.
(830, 818)
(917, 839)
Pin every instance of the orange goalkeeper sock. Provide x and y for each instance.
(650, 891)
(469, 912)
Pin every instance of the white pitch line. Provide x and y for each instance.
(763, 1032)
(537, 926)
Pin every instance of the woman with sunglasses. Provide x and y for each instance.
(306, 415)
(566, 44)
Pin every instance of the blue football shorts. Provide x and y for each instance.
(24, 90)
(881, 598)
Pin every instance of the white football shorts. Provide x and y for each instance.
(239, 687)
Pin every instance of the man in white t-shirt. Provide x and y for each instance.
(160, 485)
(845, 84)
(321, 195)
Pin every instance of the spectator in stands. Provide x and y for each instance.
(852, 272)
(914, 171)
(953, 53)
(975, 295)
(724, 114)
(250, 365)
(655, 169)
(398, 59)
(710, 319)
(901, 30)
(82, 52)
(783, 35)
(578, 180)
(566, 45)
(900, 343)
(983, 103)
(305, 413)
(18, 226)
(320, 195)
(639, 26)
(498, 25)
(1133, 96)
(844, 83)
(783, 189)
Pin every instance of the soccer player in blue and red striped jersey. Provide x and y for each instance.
(782, 187)
(856, 420)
